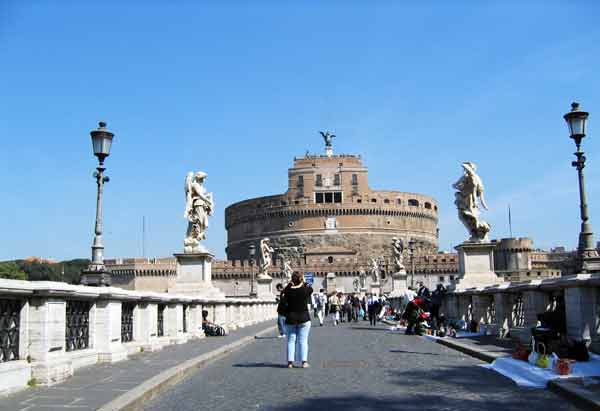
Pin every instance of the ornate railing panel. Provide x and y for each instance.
(127, 322)
(160, 323)
(9, 329)
(77, 335)
(518, 311)
(491, 311)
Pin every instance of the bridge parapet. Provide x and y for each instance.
(571, 300)
(50, 329)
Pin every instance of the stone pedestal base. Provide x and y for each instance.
(476, 266)
(95, 278)
(590, 263)
(264, 287)
(399, 285)
(194, 276)
(114, 355)
(52, 371)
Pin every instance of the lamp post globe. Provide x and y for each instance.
(577, 122)
(101, 141)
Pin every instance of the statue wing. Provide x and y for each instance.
(482, 199)
(188, 194)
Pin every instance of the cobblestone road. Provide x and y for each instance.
(354, 367)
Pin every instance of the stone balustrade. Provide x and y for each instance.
(514, 307)
(48, 329)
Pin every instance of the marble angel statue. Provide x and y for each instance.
(265, 257)
(398, 250)
(469, 190)
(199, 206)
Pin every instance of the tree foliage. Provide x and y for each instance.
(11, 270)
(65, 271)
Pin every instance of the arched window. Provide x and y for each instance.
(330, 260)
(413, 202)
(373, 200)
(428, 206)
(386, 201)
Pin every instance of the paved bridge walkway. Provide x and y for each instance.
(354, 367)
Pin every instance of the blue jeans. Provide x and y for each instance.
(281, 324)
(297, 333)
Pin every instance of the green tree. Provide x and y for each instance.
(12, 270)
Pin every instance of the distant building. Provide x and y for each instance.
(516, 260)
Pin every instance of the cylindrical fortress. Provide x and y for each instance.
(329, 210)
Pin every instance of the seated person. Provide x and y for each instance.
(413, 315)
(211, 329)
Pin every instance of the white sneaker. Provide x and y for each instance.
(281, 336)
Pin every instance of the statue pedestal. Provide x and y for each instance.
(95, 278)
(476, 265)
(376, 289)
(264, 287)
(194, 276)
(399, 284)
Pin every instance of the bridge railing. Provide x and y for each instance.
(48, 329)
(514, 307)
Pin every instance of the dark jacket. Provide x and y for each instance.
(295, 300)
(281, 305)
(423, 292)
(437, 296)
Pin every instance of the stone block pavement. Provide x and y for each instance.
(354, 367)
(94, 386)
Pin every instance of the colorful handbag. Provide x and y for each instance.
(520, 353)
(543, 360)
(564, 366)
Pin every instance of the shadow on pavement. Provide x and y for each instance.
(369, 328)
(260, 365)
(414, 352)
(409, 403)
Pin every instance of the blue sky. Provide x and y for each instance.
(238, 88)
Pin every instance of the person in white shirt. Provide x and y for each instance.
(318, 301)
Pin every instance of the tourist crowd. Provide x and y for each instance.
(419, 309)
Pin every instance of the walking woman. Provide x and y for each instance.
(297, 319)
(334, 308)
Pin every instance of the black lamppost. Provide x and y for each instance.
(96, 274)
(411, 253)
(251, 253)
(577, 122)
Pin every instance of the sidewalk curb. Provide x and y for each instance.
(137, 396)
(465, 349)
